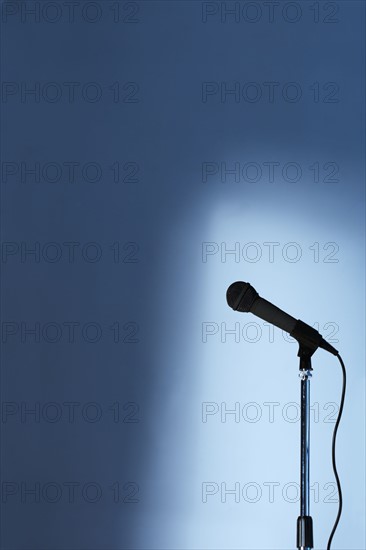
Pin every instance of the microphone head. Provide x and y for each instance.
(241, 296)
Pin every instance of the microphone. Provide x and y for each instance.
(243, 297)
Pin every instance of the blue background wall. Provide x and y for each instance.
(149, 454)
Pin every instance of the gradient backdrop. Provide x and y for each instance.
(154, 152)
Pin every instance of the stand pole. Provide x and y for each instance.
(304, 521)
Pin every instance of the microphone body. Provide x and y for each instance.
(243, 297)
(274, 315)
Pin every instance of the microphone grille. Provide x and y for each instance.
(241, 296)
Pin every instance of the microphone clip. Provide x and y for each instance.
(309, 340)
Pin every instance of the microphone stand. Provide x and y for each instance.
(304, 521)
(242, 296)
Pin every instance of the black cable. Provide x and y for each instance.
(333, 454)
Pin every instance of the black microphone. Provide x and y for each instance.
(243, 297)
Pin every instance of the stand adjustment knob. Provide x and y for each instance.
(305, 532)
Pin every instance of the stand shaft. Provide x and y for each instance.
(304, 521)
(305, 446)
